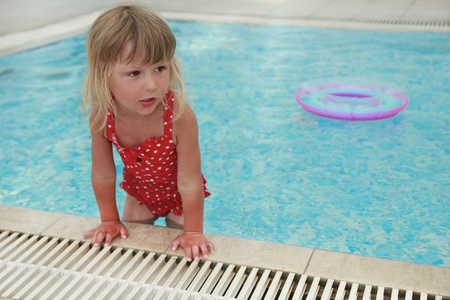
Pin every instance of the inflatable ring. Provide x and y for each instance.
(351, 99)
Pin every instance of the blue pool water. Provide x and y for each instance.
(276, 172)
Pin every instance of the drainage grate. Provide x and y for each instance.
(324, 22)
(373, 24)
(42, 267)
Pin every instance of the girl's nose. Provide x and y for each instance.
(149, 83)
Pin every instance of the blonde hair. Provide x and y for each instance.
(148, 33)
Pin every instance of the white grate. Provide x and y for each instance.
(42, 267)
(374, 24)
(324, 22)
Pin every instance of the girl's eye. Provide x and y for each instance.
(160, 69)
(134, 73)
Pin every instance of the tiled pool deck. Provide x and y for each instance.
(44, 21)
(25, 24)
(20, 15)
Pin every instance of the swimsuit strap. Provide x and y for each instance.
(168, 114)
(110, 130)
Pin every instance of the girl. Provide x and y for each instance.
(136, 101)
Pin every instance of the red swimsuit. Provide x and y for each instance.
(150, 170)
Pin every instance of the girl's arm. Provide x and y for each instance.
(103, 177)
(190, 186)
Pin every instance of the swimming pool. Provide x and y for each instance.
(276, 172)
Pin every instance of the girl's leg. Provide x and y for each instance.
(174, 221)
(133, 212)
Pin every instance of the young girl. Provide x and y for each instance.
(136, 101)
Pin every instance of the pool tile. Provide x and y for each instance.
(425, 13)
(380, 272)
(292, 9)
(148, 237)
(26, 220)
(143, 237)
(261, 254)
(70, 226)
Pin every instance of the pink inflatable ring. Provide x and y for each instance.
(351, 99)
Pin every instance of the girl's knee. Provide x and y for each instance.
(174, 221)
(136, 213)
(148, 221)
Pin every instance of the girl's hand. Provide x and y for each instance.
(106, 231)
(193, 243)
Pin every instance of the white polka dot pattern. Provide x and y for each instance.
(150, 170)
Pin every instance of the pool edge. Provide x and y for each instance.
(238, 251)
(37, 37)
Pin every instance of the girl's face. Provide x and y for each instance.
(139, 88)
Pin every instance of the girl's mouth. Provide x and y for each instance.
(148, 102)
